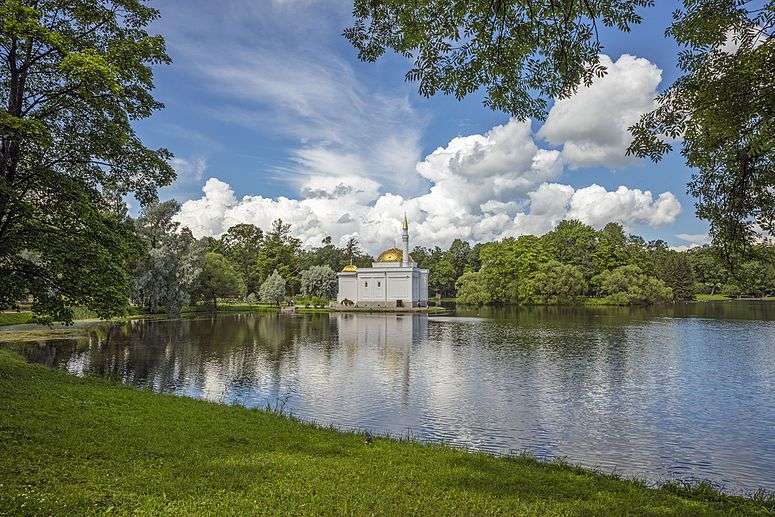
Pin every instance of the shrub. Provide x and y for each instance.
(273, 289)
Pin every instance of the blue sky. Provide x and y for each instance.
(267, 100)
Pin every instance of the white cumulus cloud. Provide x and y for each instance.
(482, 187)
(592, 125)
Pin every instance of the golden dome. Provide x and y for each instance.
(350, 268)
(391, 255)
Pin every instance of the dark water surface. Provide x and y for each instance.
(685, 392)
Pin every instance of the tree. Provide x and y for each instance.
(273, 289)
(442, 277)
(752, 278)
(73, 76)
(352, 252)
(573, 242)
(471, 289)
(627, 285)
(674, 270)
(613, 249)
(722, 109)
(508, 265)
(165, 275)
(156, 223)
(280, 253)
(707, 269)
(241, 244)
(460, 255)
(521, 53)
(218, 279)
(557, 283)
(319, 281)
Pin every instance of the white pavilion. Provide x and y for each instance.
(393, 281)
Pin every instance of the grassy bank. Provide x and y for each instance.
(15, 318)
(20, 318)
(75, 446)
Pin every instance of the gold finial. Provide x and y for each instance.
(406, 222)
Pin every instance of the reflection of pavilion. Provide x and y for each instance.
(384, 340)
(388, 331)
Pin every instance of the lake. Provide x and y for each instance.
(685, 392)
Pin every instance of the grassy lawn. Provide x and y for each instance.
(15, 318)
(711, 297)
(83, 446)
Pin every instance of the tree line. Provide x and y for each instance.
(172, 269)
(572, 262)
(575, 261)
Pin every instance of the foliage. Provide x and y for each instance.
(525, 270)
(556, 283)
(320, 282)
(241, 244)
(613, 248)
(627, 285)
(335, 257)
(520, 53)
(471, 289)
(164, 277)
(573, 242)
(508, 265)
(73, 76)
(707, 269)
(722, 109)
(217, 279)
(273, 289)
(441, 279)
(674, 269)
(279, 253)
(753, 278)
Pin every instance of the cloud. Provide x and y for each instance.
(271, 70)
(592, 125)
(190, 174)
(697, 239)
(481, 189)
(596, 206)
(355, 150)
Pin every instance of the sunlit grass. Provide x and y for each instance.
(75, 446)
(711, 297)
(15, 318)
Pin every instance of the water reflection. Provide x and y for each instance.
(680, 392)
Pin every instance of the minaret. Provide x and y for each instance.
(405, 238)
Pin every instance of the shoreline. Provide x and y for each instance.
(122, 449)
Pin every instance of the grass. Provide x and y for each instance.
(711, 297)
(72, 445)
(15, 318)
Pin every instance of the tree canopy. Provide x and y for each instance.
(73, 76)
(522, 53)
(722, 110)
(217, 279)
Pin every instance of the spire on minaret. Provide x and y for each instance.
(405, 238)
